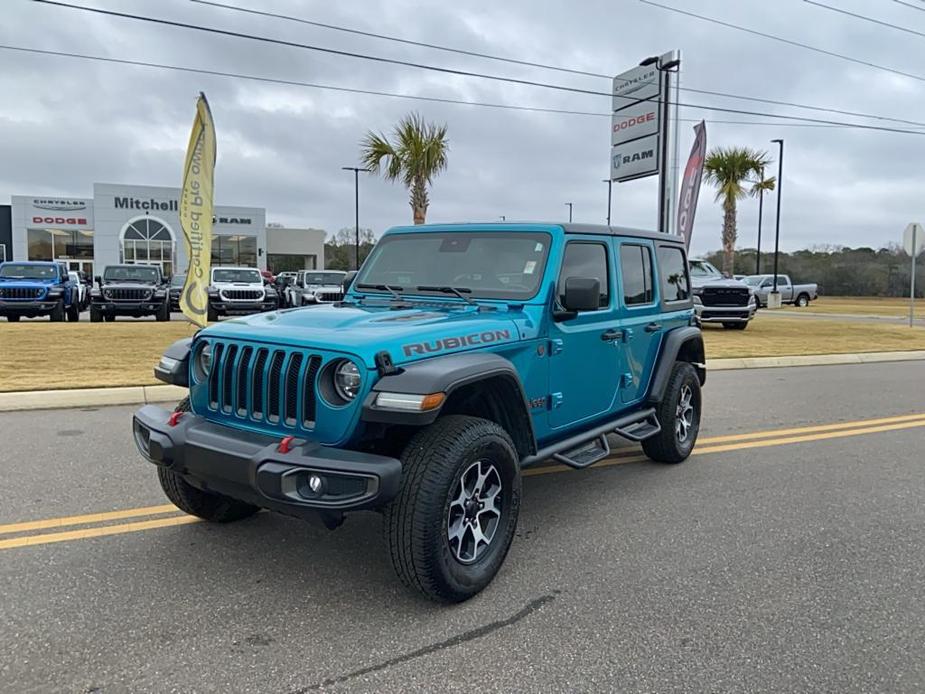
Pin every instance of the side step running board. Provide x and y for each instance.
(588, 447)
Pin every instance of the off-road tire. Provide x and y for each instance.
(211, 314)
(163, 313)
(73, 313)
(96, 316)
(13, 318)
(57, 313)
(802, 300)
(735, 326)
(415, 522)
(109, 318)
(665, 447)
(210, 506)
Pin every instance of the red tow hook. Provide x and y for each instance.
(285, 445)
(174, 418)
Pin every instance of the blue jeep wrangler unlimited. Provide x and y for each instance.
(36, 288)
(460, 355)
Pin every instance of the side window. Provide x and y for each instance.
(588, 260)
(636, 271)
(675, 286)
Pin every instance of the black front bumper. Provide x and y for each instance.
(243, 308)
(251, 467)
(28, 306)
(128, 308)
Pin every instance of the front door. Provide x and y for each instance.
(585, 360)
(639, 312)
(79, 265)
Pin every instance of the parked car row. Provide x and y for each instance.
(31, 289)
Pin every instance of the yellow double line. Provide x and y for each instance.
(102, 524)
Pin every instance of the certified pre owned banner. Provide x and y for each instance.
(196, 213)
(690, 184)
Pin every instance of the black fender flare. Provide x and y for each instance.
(448, 374)
(178, 373)
(685, 343)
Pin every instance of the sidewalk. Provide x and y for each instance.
(140, 395)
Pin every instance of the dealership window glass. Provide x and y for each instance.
(636, 274)
(291, 262)
(238, 249)
(54, 244)
(150, 241)
(673, 278)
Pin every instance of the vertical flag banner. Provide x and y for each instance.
(690, 184)
(196, 202)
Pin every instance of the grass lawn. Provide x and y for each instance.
(863, 305)
(43, 355)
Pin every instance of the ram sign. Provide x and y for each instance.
(634, 159)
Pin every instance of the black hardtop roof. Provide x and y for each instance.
(567, 227)
(603, 229)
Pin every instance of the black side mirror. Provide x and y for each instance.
(99, 280)
(581, 294)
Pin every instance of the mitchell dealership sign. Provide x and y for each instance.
(172, 205)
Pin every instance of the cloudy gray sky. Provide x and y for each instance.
(66, 123)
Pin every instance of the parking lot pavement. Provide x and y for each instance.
(788, 561)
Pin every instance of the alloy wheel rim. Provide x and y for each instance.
(474, 514)
(684, 415)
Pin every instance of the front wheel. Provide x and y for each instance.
(57, 313)
(73, 312)
(12, 318)
(211, 314)
(679, 416)
(452, 523)
(163, 313)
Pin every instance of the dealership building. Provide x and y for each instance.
(140, 224)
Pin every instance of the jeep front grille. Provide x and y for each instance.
(241, 294)
(264, 384)
(329, 296)
(725, 296)
(126, 294)
(21, 293)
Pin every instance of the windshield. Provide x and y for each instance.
(236, 275)
(701, 268)
(133, 273)
(324, 277)
(493, 265)
(177, 280)
(29, 272)
(753, 280)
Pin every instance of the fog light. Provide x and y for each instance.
(315, 483)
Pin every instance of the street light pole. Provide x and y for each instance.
(760, 215)
(780, 185)
(609, 197)
(665, 68)
(569, 211)
(356, 200)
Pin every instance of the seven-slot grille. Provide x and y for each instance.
(22, 293)
(264, 384)
(725, 296)
(127, 294)
(242, 294)
(329, 296)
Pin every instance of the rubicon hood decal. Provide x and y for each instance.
(455, 342)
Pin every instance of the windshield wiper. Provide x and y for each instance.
(391, 288)
(458, 291)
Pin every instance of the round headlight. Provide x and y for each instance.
(347, 380)
(205, 359)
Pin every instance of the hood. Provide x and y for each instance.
(327, 285)
(407, 334)
(17, 282)
(716, 282)
(121, 284)
(238, 285)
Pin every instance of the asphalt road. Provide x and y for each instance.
(791, 561)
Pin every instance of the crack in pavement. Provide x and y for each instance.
(457, 640)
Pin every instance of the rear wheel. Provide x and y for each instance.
(210, 506)
(109, 318)
(452, 523)
(679, 416)
(803, 301)
(13, 318)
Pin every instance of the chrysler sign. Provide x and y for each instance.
(634, 85)
(59, 213)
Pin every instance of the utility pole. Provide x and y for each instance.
(760, 214)
(665, 67)
(569, 211)
(780, 185)
(609, 197)
(356, 198)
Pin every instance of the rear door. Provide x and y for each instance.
(639, 312)
(585, 364)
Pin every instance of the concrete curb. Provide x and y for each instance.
(140, 395)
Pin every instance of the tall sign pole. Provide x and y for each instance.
(913, 242)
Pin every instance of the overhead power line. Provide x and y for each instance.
(865, 18)
(781, 39)
(910, 5)
(543, 66)
(273, 80)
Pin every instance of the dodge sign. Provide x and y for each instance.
(634, 122)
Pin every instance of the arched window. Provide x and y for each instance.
(149, 241)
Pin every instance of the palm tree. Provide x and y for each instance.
(758, 190)
(730, 169)
(416, 155)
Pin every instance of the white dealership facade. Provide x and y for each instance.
(140, 224)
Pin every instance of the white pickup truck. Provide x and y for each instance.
(239, 291)
(798, 294)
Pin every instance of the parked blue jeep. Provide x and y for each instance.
(33, 289)
(460, 355)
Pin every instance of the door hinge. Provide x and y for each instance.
(555, 400)
(626, 380)
(555, 347)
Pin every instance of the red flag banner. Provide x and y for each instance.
(690, 184)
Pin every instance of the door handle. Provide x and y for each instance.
(653, 327)
(612, 335)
